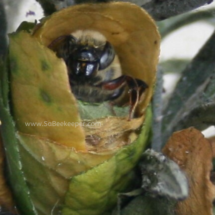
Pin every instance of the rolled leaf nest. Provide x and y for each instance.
(78, 156)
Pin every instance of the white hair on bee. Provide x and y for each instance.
(90, 37)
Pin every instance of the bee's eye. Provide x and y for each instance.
(107, 56)
(86, 53)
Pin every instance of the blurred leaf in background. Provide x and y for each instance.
(3, 30)
(183, 37)
(194, 92)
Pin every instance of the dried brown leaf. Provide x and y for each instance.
(193, 153)
(212, 141)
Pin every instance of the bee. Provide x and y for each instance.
(94, 69)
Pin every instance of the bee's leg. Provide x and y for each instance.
(133, 95)
(136, 88)
(114, 84)
(133, 85)
(118, 82)
(142, 86)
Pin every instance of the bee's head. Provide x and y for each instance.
(91, 61)
(87, 52)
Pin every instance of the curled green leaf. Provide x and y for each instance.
(75, 155)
